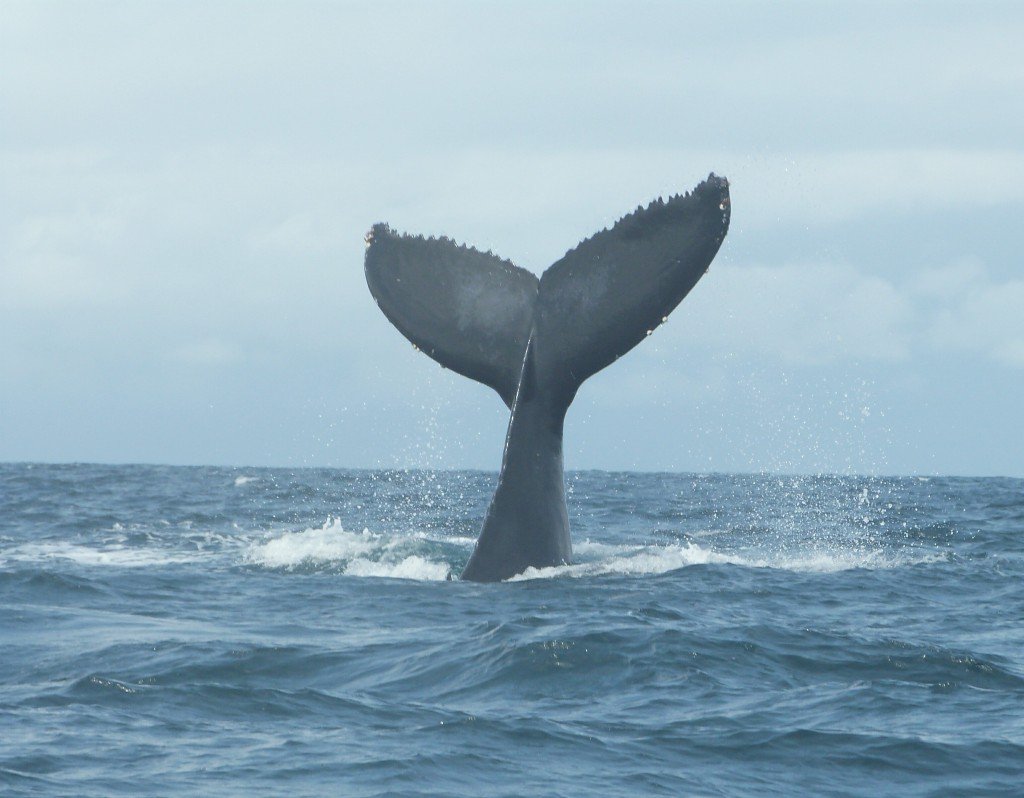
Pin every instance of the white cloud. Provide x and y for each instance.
(840, 186)
(814, 314)
(256, 241)
(31, 282)
(948, 281)
(532, 205)
(981, 316)
(300, 233)
(208, 352)
(1011, 352)
(798, 313)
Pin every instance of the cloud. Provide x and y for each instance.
(301, 232)
(975, 313)
(208, 352)
(844, 185)
(58, 258)
(801, 314)
(1010, 352)
(33, 281)
(246, 243)
(810, 314)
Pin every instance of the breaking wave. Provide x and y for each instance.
(353, 553)
(596, 559)
(417, 555)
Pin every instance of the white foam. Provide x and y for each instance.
(245, 480)
(330, 543)
(827, 561)
(629, 560)
(111, 555)
(454, 540)
(413, 567)
(598, 559)
(588, 549)
(359, 554)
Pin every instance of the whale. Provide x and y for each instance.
(536, 340)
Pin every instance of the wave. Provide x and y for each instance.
(420, 556)
(416, 556)
(109, 555)
(597, 559)
(357, 554)
(412, 567)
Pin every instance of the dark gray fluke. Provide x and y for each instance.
(536, 341)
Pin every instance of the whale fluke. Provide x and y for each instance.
(535, 342)
(608, 293)
(472, 312)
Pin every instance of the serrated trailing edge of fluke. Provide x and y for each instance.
(384, 230)
(713, 182)
(658, 206)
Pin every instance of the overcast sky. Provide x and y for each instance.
(184, 190)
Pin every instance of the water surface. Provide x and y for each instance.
(236, 632)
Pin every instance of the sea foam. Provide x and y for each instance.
(355, 553)
(595, 559)
(100, 555)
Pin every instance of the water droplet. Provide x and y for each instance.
(664, 319)
(649, 332)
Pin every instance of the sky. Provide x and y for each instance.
(185, 187)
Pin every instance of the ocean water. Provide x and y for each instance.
(238, 632)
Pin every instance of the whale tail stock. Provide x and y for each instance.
(536, 341)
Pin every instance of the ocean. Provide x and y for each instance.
(246, 631)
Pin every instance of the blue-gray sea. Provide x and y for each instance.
(240, 632)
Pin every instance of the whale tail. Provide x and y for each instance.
(536, 341)
(475, 313)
